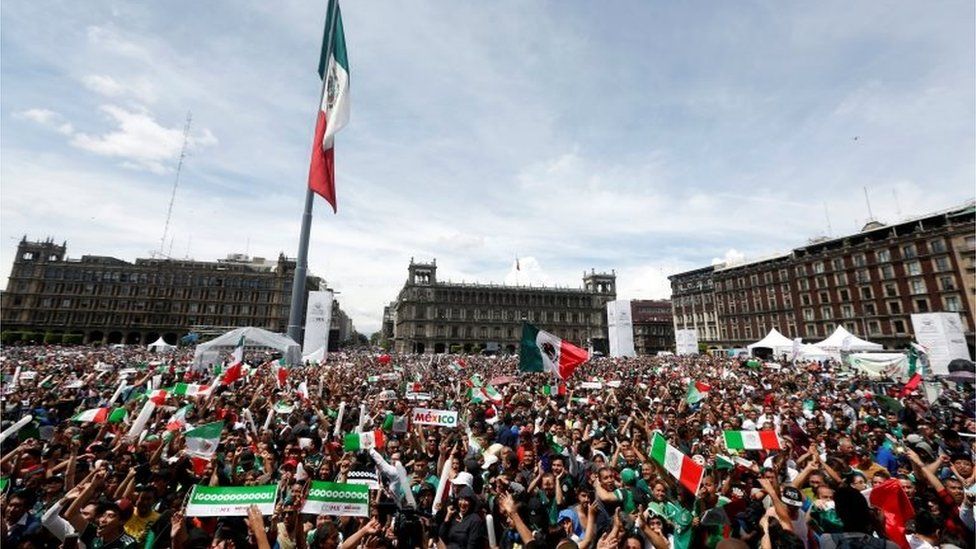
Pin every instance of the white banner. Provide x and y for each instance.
(318, 317)
(620, 328)
(440, 418)
(943, 337)
(591, 385)
(686, 341)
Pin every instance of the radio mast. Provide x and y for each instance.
(176, 182)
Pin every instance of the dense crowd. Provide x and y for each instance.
(530, 463)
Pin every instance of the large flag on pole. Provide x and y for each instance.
(334, 106)
(544, 352)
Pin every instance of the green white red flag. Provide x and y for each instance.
(177, 421)
(697, 391)
(541, 351)
(236, 369)
(554, 390)
(102, 415)
(333, 108)
(688, 473)
(752, 440)
(337, 499)
(202, 442)
(230, 501)
(354, 442)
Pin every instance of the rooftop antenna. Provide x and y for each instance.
(868, 200)
(830, 231)
(176, 181)
(894, 192)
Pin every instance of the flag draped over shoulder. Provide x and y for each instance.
(544, 352)
(334, 106)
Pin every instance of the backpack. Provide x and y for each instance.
(858, 540)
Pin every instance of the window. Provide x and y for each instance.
(754, 280)
(866, 293)
(894, 307)
(913, 268)
(838, 264)
(874, 327)
(883, 256)
(805, 299)
(937, 246)
(869, 309)
(845, 295)
(909, 251)
(942, 264)
(818, 267)
(801, 270)
(887, 272)
(952, 303)
(891, 290)
(847, 311)
(922, 305)
(859, 260)
(947, 283)
(824, 297)
(808, 314)
(826, 312)
(811, 330)
(863, 276)
(898, 326)
(917, 285)
(768, 278)
(783, 275)
(803, 284)
(841, 279)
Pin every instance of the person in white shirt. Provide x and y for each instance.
(926, 534)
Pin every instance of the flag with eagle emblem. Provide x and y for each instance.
(544, 352)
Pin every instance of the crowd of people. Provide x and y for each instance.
(530, 462)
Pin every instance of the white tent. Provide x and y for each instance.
(161, 345)
(812, 352)
(774, 341)
(842, 340)
(216, 349)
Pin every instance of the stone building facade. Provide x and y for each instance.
(108, 300)
(430, 316)
(653, 326)
(870, 282)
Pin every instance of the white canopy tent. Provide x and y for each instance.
(216, 349)
(160, 345)
(812, 352)
(842, 340)
(774, 341)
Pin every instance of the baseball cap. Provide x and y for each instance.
(792, 496)
(464, 478)
(628, 476)
(490, 459)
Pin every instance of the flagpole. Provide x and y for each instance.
(301, 262)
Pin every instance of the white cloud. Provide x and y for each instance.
(46, 118)
(138, 88)
(732, 256)
(140, 141)
(527, 271)
(103, 85)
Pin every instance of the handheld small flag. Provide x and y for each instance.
(688, 473)
(355, 442)
(752, 440)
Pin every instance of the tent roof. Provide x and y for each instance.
(836, 342)
(773, 340)
(253, 337)
(161, 343)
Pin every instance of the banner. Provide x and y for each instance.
(686, 342)
(390, 376)
(592, 385)
(337, 499)
(620, 328)
(943, 337)
(318, 317)
(418, 396)
(440, 418)
(230, 501)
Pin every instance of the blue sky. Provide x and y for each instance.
(646, 137)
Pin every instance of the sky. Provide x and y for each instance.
(644, 137)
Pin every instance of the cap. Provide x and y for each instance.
(628, 476)
(464, 478)
(490, 459)
(792, 496)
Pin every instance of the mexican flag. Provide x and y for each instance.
(554, 390)
(918, 358)
(202, 441)
(230, 501)
(697, 391)
(334, 106)
(102, 415)
(482, 392)
(281, 371)
(752, 440)
(688, 473)
(355, 442)
(891, 498)
(189, 389)
(236, 369)
(177, 421)
(337, 499)
(544, 352)
(723, 462)
(284, 408)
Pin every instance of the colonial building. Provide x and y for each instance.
(430, 316)
(693, 304)
(653, 328)
(869, 282)
(108, 300)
